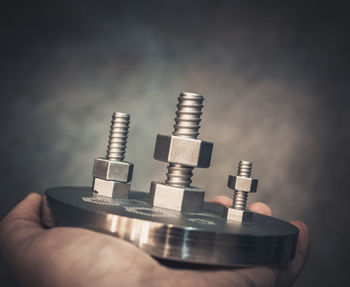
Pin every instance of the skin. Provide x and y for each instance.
(78, 257)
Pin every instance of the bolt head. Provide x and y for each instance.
(241, 183)
(185, 199)
(112, 170)
(110, 188)
(185, 151)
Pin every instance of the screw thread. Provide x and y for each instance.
(245, 168)
(179, 175)
(189, 110)
(240, 200)
(118, 136)
(240, 197)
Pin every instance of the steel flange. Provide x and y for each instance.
(202, 238)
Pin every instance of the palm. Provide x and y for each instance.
(79, 257)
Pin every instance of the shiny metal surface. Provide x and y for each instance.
(202, 238)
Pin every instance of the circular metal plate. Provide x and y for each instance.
(200, 238)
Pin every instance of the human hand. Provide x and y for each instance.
(66, 256)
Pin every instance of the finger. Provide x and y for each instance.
(21, 223)
(303, 245)
(303, 239)
(28, 209)
(260, 207)
(221, 199)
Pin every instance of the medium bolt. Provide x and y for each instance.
(240, 197)
(118, 136)
(189, 110)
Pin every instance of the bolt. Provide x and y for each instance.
(112, 175)
(186, 125)
(240, 197)
(118, 137)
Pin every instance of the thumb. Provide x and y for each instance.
(27, 209)
(20, 223)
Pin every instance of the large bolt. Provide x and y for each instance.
(183, 151)
(112, 175)
(189, 110)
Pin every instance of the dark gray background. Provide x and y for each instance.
(274, 77)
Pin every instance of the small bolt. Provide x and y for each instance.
(240, 197)
(189, 110)
(118, 136)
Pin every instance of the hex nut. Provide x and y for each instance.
(241, 183)
(237, 215)
(185, 151)
(110, 188)
(185, 199)
(112, 170)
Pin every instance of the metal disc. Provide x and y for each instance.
(199, 238)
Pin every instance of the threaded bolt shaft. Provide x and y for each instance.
(179, 175)
(189, 110)
(240, 197)
(118, 136)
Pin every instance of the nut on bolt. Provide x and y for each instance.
(112, 175)
(185, 151)
(186, 198)
(111, 188)
(241, 183)
(112, 170)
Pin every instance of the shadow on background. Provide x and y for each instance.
(274, 78)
